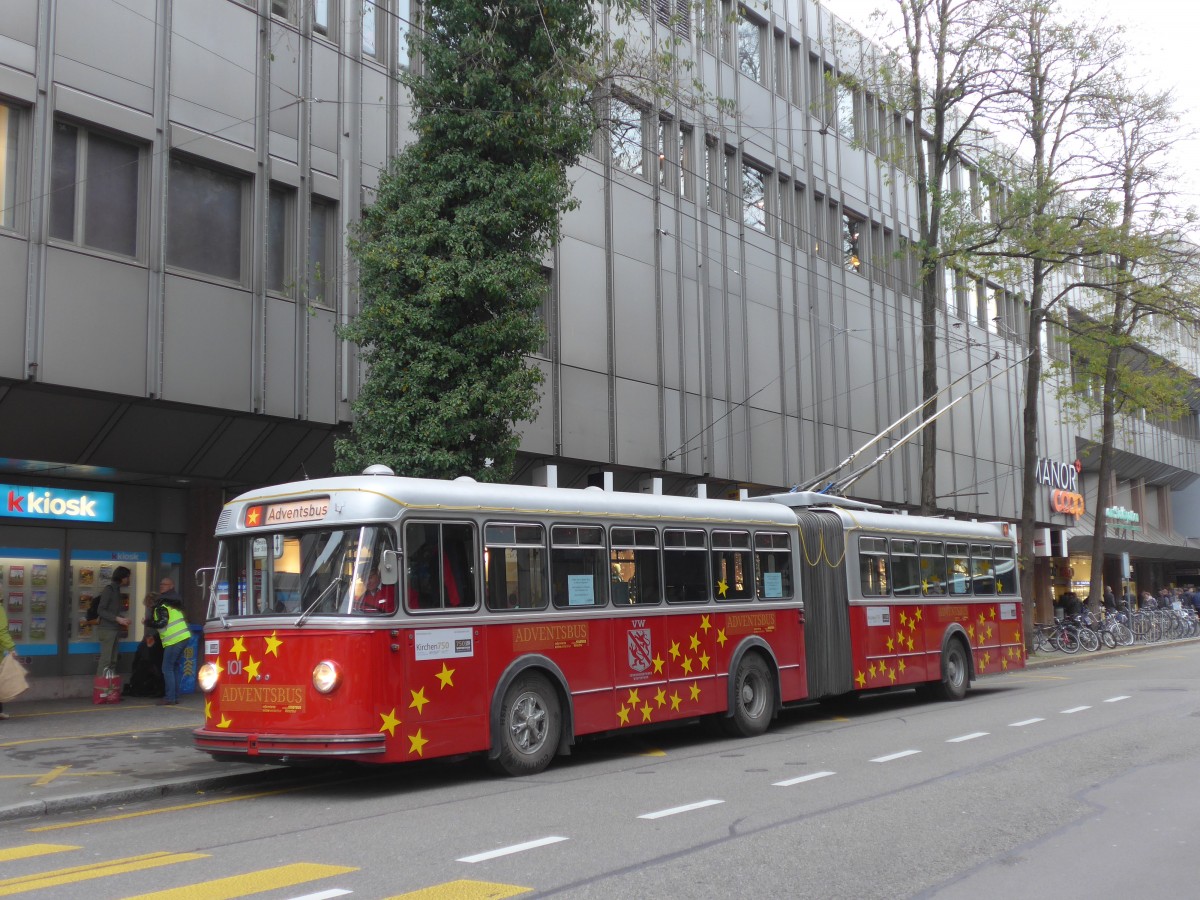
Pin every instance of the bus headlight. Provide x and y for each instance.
(326, 676)
(207, 677)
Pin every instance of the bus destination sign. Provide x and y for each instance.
(275, 514)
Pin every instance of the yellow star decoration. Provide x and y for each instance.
(695, 691)
(238, 647)
(446, 677)
(674, 651)
(890, 645)
(861, 679)
(891, 675)
(417, 743)
(1003, 665)
(695, 642)
(723, 587)
(207, 710)
(909, 642)
(901, 666)
(389, 722)
(704, 625)
(633, 700)
(903, 618)
(971, 633)
(251, 669)
(419, 700)
(225, 722)
(917, 615)
(871, 670)
(687, 665)
(989, 632)
(987, 659)
(999, 587)
(659, 662)
(992, 613)
(646, 711)
(705, 659)
(924, 587)
(273, 644)
(675, 701)
(660, 697)
(721, 639)
(623, 715)
(982, 619)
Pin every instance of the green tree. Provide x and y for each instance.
(1122, 336)
(450, 253)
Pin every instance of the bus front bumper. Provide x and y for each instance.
(312, 746)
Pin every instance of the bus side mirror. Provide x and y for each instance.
(389, 567)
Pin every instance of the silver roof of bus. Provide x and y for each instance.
(359, 498)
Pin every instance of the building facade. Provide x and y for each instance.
(731, 305)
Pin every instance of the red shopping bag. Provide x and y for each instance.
(106, 688)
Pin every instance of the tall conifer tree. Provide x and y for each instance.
(451, 252)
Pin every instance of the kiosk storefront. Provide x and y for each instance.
(59, 545)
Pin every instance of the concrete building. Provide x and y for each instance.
(730, 305)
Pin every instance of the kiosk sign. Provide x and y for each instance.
(24, 502)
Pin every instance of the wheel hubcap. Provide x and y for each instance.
(527, 723)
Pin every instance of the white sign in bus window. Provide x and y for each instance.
(443, 643)
(1008, 611)
(772, 585)
(259, 548)
(580, 590)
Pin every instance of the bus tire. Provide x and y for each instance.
(530, 726)
(753, 698)
(955, 672)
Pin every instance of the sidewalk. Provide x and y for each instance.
(65, 755)
(62, 755)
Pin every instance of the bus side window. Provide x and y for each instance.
(732, 570)
(423, 567)
(515, 562)
(577, 565)
(635, 579)
(685, 566)
(874, 573)
(773, 566)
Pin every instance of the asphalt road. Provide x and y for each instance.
(1068, 782)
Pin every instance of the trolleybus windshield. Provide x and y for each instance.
(293, 573)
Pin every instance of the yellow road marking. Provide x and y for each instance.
(81, 709)
(31, 850)
(85, 737)
(54, 773)
(465, 890)
(42, 880)
(653, 752)
(250, 883)
(153, 812)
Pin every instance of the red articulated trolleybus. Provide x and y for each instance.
(386, 619)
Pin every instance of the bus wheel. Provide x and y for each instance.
(953, 685)
(753, 698)
(530, 727)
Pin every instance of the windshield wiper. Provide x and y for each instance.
(321, 596)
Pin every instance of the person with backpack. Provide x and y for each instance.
(174, 633)
(109, 620)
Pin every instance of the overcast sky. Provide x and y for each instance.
(1163, 35)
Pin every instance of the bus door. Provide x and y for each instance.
(444, 702)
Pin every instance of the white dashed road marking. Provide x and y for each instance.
(515, 848)
(1074, 709)
(325, 895)
(1116, 699)
(967, 737)
(892, 756)
(674, 810)
(813, 777)
(1024, 722)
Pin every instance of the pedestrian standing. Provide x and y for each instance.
(110, 621)
(7, 646)
(174, 634)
